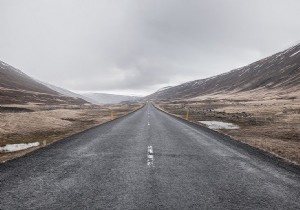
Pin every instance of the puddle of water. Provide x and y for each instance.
(219, 125)
(17, 147)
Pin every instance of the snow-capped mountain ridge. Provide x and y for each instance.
(281, 70)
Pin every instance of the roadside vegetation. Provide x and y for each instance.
(44, 124)
(271, 124)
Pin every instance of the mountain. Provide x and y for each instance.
(68, 92)
(104, 98)
(279, 71)
(158, 94)
(18, 88)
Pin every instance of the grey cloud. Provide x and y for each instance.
(140, 45)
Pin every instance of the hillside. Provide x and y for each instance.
(68, 92)
(279, 71)
(104, 98)
(18, 88)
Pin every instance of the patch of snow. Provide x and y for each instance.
(18, 147)
(219, 125)
(280, 54)
(259, 65)
(4, 64)
(290, 49)
(294, 53)
(164, 88)
(12, 69)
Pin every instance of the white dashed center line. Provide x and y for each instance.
(150, 156)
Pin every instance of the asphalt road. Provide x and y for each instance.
(146, 160)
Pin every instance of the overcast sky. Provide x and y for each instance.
(138, 46)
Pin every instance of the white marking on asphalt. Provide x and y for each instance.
(150, 149)
(150, 156)
(148, 123)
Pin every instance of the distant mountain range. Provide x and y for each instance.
(279, 71)
(104, 98)
(68, 92)
(18, 88)
(94, 98)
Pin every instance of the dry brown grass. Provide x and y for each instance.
(266, 122)
(47, 124)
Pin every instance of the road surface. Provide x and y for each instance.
(146, 160)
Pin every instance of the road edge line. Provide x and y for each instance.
(224, 138)
(40, 148)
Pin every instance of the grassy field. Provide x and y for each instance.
(269, 123)
(47, 124)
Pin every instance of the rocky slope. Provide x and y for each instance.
(18, 88)
(279, 71)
